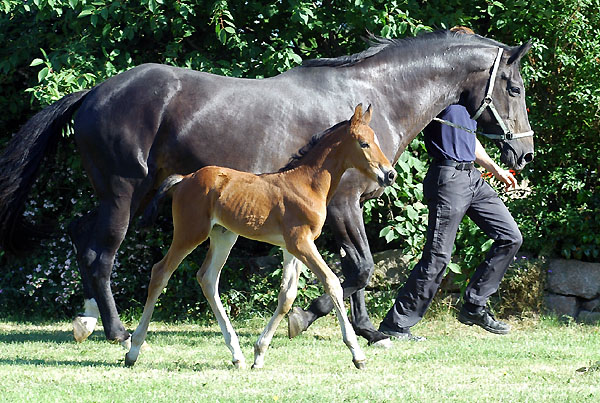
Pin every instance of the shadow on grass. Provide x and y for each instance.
(58, 363)
(46, 336)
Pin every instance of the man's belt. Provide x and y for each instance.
(461, 166)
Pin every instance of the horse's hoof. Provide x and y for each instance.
(82, 328)
(128, 361)
(383, 344)
(360, 364)
(256, 366)
(126, 344)
(239, 364)
(296, 322)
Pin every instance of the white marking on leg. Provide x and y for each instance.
(84, 325)
(287, 294)
(221, 242)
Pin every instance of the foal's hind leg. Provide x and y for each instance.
(287, 295)
(161, 273)
(307, 252)
(221, 242)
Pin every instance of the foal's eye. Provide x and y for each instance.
(363, 144)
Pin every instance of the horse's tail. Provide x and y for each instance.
(20, 163)
(152, 210)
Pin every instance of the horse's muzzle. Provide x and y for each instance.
(388, 177)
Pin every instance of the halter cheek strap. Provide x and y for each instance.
(489, 103)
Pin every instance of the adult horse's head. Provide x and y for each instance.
(496, 99)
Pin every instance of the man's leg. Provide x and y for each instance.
(448, 196)
(494, 219)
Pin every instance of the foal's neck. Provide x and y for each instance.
(323, 166)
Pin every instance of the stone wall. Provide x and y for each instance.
(573, 289)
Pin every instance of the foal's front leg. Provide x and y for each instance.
(307, 252)
(287, 294)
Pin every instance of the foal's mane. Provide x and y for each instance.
(378, 44)
(295, 159)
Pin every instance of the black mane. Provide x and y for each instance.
(296, 158)
(378, 44)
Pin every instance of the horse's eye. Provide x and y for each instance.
(514, 91)
(363, 144)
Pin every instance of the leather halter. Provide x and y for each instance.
(488, 103)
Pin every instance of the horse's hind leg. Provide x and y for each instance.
(221, 242)
(307, 252)
(85, 322)
(287, 295)
(161, 273)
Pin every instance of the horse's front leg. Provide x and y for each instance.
(221, 242)
(307, 252)
(287, 295)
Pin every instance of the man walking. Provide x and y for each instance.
(453, 188)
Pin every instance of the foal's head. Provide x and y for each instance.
(363, 152)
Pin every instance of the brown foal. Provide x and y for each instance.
(287, 209)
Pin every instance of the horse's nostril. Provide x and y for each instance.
(391, 175)
(528, 157)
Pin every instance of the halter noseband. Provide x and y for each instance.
(488, 103)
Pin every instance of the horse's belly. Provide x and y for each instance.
(249, 210)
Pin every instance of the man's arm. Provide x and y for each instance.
(482, 158)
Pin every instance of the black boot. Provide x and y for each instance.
(484, 319)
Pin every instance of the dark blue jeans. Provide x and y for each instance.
(451, 194)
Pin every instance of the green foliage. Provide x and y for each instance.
(400, 210)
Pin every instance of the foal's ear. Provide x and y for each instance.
(357, 114)
(367, 116)
(517, 53)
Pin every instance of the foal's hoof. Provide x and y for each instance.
(81, 328)
(239, 364)
(360, 364)
(296, 322)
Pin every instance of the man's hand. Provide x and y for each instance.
(505, 177)
(482, 158)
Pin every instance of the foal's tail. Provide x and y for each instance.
(21, 160)
(152, 210)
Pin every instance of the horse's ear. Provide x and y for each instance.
(367, 116)
(357, 114)
(518, 53)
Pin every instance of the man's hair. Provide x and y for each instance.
(462, 30)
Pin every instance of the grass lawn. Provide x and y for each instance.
(538, 361)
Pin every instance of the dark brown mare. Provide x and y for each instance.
(139, 127)
(286, 209)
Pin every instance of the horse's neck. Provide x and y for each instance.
(415, 87)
